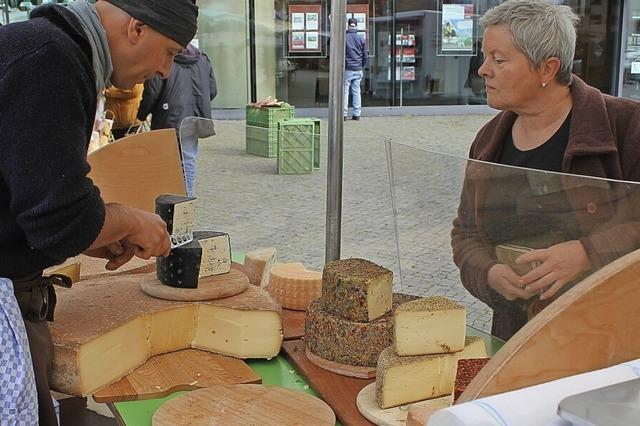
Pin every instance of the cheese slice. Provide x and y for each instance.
(107, 327)
(431, 325)
(404, 379)
(356, 289)
(178, 212)
(208, 254)
(258, 264)
(294, 286)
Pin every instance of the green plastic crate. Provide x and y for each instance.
(268, 116)
(295, 133)
(295, 161)
(262, 141)
(316, 136)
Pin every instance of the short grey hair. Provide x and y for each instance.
(540, 30)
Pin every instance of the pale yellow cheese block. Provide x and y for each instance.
(106, 327)
(431, 325)
(293, 286)
(258, 264)
(404, 379)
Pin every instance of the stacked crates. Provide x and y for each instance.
(262, 128)
(295, 146)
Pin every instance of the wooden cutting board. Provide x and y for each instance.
(293, 324)
(340, 392)
(181, 370)
(242, 405)
(209, 288)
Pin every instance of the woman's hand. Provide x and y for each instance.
(560, 264)
(503, 280)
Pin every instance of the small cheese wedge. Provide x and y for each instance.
(404, 379)
(431, 325)
(294, 286)
(356, 289)
(107, 327)
(258, 264)
(178, 212)
(208, 254)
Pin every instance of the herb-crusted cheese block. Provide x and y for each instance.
(348, 342)
(356, 289)
(178, 212)
(208, 254)
(431, 325)
(466, 371)
(404, 379)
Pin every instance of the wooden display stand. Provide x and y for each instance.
(592, 326)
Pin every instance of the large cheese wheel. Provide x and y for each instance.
(293, 286)
(105, 328)
(208, 254)
(349, 342)
(258, 264)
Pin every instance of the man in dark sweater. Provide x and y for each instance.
(356, 57)
(51, 70)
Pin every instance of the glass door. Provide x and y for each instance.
(631, 61)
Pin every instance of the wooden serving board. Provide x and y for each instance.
(83, 267)
(243, 405)
(340, 392)
(395, 416)
(176, 371)
(209, 288)
(343, 369)
(293, 324)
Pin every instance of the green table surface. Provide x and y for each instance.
(277, 371)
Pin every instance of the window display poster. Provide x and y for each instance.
(312, 40)
(312, 21)
(297, 21)
(362, 21)
(297, 40)
(456, 29)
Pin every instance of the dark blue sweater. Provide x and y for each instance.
(355, 51)
(49, 208)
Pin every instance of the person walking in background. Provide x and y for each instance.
(356, 56)
(123, 103)
(187, 92)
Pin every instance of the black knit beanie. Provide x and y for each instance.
(176, 19)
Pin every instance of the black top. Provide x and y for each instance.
(547, 156)
(49, 209)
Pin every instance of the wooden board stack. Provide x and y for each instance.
(208, 254)
(294, 286)
(428, 340)
(352, 323)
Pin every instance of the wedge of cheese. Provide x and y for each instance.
(356, 289)
(432, 325)
(404, 379)
(293, 286)
(208, 254)
(349, 342)
(178, 212)
(107, 327)
(258, 264)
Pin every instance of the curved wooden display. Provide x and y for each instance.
(342, 369)
(93, 267)
(594, 325)
(244, 405)
(209, 288)
(136, 169)
(396, 416)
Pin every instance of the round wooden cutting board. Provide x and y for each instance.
(209, 288)
(244, 405)
(395, 416)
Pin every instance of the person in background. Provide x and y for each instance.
(187, 92)
(50, 209)
(551, 120)
(123, 104)
(356, 56)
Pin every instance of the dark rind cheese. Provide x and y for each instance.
(208, 254)
(349, 342)
(178, 212)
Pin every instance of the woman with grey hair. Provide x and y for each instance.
(551, 120)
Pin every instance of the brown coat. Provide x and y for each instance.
(124, 103)
(604, 141)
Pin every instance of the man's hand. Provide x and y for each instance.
(502, 279)
(148, 232)
(560, 264)
(118, 254)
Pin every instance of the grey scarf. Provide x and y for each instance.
(97, 36)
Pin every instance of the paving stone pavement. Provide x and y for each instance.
(243, 195)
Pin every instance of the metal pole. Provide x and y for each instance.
(6, 11)
(334, 161)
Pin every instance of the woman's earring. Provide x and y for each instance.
(544, 84)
